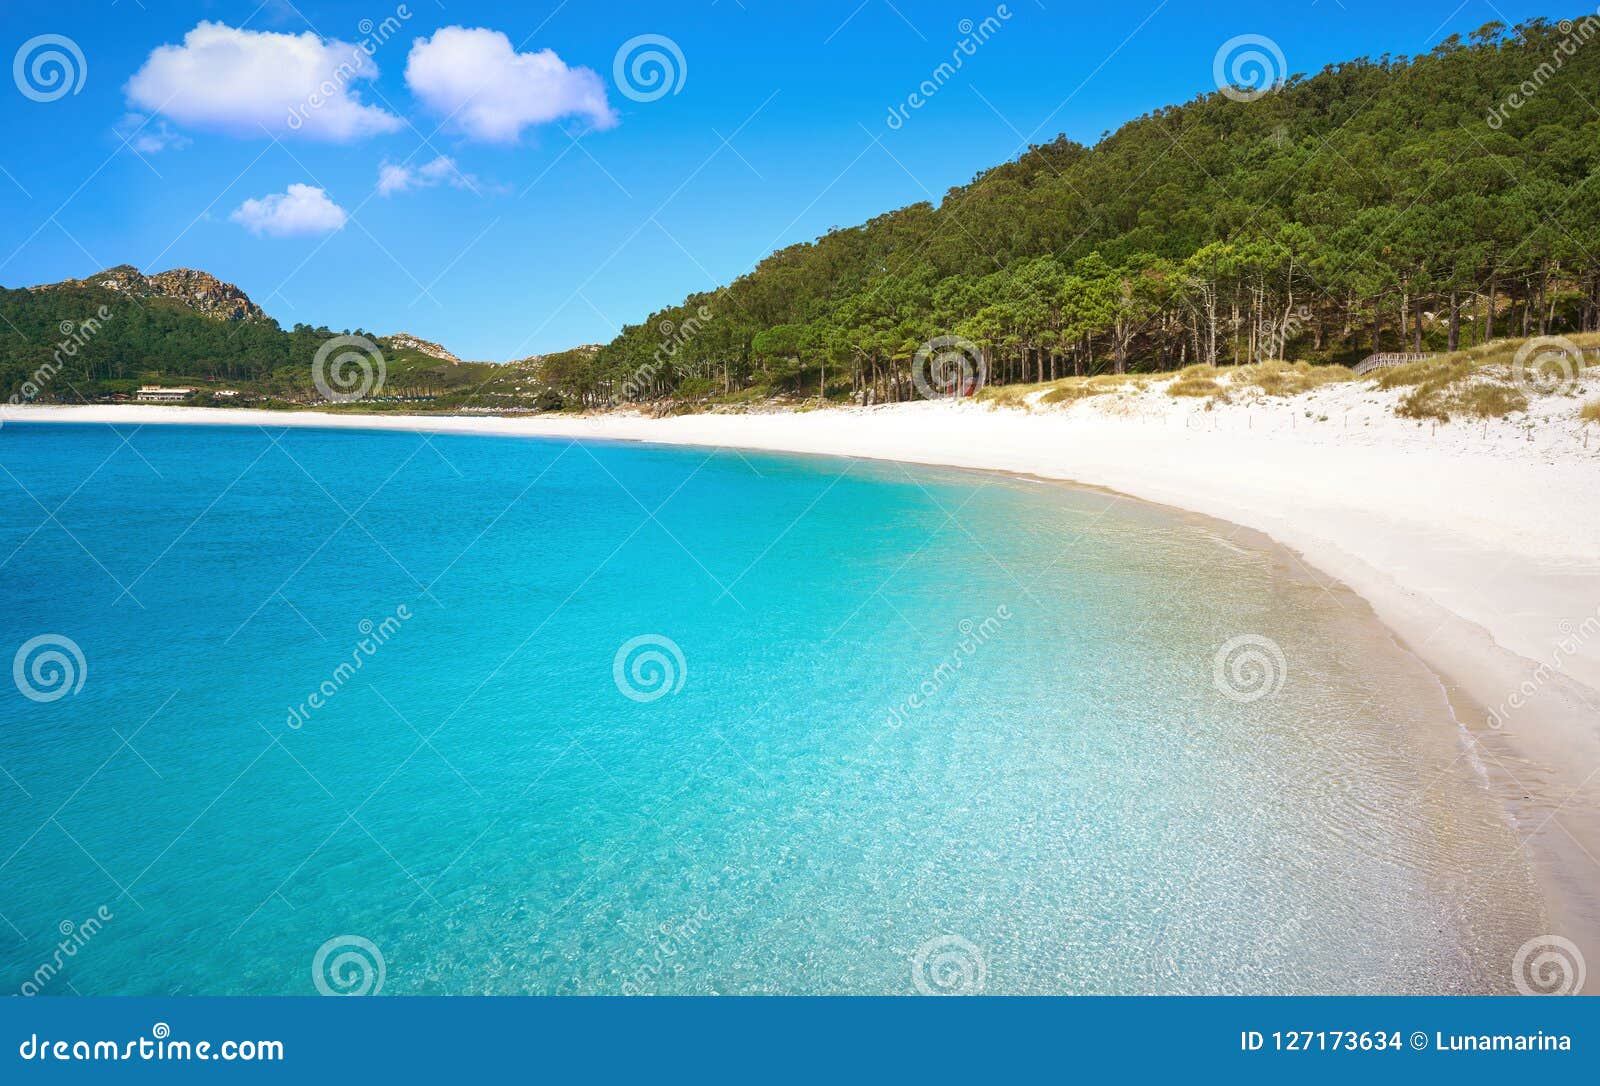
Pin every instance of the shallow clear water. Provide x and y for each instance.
(851, 791)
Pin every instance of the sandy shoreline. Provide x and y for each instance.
(1477, 545)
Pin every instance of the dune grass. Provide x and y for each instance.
(1476, 395)
(1015, 396)
(1197, 381)
(1478, 382)
(1590, 411)
(1278, 378)
(1072, 389)
(1063, 390)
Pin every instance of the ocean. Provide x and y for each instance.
(301, 710)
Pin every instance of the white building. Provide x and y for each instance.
(158, 394)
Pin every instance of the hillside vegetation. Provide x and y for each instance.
(87, 340)
(1396, 203)
(1441, 203)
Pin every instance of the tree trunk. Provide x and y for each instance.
(1455, 319)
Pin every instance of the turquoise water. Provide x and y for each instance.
(890, 730)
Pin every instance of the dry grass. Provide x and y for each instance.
(1197, 381)
(1278, 378)
(1072, 389)
(1064, 390)
(1590, 411)
(1010, 395)
(1459, 364)
(1477, 382)
(1438, 371)
(1482, 397)
(1072, 392)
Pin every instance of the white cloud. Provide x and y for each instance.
(303, 209)
(491, 92)
(148, 135)
(394, 178)
(242, 81)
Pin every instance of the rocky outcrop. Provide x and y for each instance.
(534, 360)
(405, 341)
(200, 291)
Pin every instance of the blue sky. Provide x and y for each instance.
(566, 207)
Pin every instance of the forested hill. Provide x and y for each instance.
(1381, 203)
(102, 337)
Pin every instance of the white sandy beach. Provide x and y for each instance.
(1477, 544)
